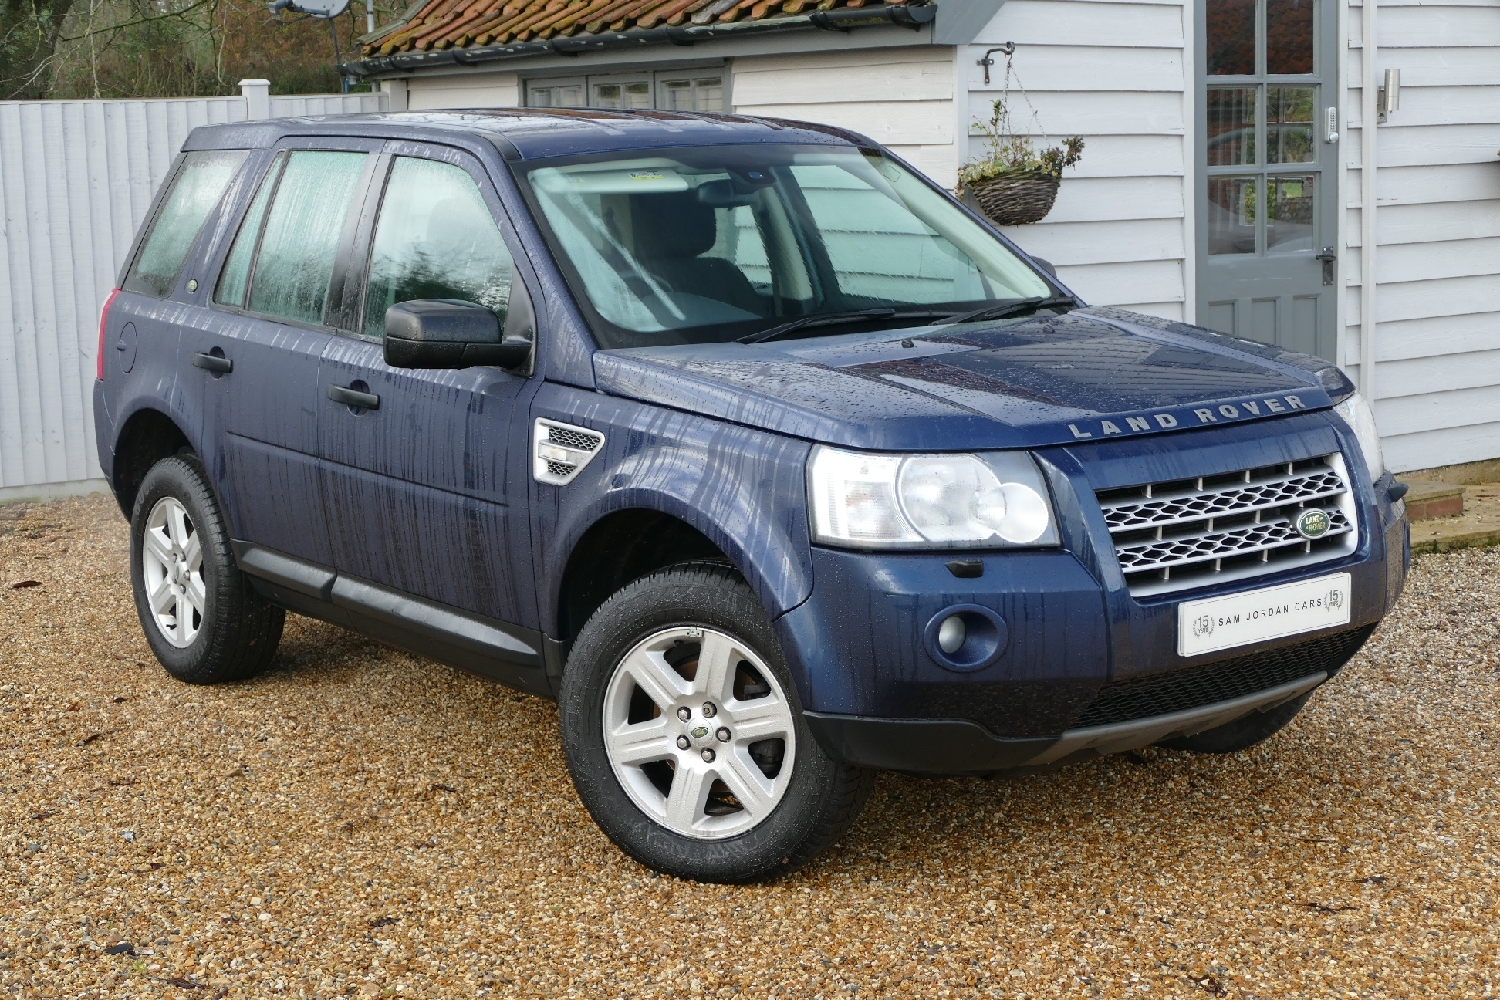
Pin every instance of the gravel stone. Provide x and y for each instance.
(359, 822)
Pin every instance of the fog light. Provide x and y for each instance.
(951, 634)
(965, 637)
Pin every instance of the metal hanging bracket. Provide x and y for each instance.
(1009, 48)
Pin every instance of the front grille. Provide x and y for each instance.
(1180, 690)
(1180, 534)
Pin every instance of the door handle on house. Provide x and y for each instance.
(1329, 258)
(216, 363)
(354, 397)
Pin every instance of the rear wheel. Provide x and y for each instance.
(202, 619)
(685, 737)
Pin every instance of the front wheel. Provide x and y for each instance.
(685, 738)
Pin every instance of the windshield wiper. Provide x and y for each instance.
(1019, 307)
(827, 319)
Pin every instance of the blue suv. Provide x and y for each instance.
(767, 459)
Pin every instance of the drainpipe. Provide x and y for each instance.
(1369, 116)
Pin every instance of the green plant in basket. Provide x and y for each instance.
(1017, 183)
(1013, 153)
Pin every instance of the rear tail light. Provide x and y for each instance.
(103, 320)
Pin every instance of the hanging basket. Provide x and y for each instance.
(1018, 198)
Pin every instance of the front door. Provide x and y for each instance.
(1267, 205)
(420, 486)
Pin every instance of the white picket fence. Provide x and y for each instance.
(76, 179)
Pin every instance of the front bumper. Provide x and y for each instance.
(1086, 668)
(961, 747)
(956, 747)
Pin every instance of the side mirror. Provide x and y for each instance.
(451, 333)
(1045, 265)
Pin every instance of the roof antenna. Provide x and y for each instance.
(327, 10)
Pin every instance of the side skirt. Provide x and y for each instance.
(507, 653)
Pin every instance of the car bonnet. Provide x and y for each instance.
(1091, 374)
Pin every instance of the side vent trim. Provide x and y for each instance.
(559, 452)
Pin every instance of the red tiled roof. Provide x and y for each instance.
(445, 24)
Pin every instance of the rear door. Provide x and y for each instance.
(274, 320)
(426, 489)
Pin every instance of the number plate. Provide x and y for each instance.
(1225, 622)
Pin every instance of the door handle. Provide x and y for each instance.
(353, 397)
(1328, 257)
(213, 363)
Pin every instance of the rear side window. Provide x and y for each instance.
(436, 239)
(282, 261)
(197, 188)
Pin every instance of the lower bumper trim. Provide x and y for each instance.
(961, 747)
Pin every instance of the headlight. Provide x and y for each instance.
(928, 501)
(1361, 419)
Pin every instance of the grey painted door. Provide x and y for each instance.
(1267, 173)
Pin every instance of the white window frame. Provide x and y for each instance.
(620, 75)
(555, 81)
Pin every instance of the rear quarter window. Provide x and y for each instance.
(196, 189)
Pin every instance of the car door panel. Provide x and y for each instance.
(420, 492)
(269, 332)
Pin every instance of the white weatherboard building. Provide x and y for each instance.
(1193, 115)
(1207, 191)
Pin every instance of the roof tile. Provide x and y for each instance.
(442, 24)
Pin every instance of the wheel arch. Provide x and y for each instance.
(146, 437)
(647, 531)
(619, 548)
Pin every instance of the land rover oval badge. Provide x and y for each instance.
(1312, 524)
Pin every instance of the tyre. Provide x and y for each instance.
(1246, 731)
(202, 619)
(684, 733)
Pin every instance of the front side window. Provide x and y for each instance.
(436, 239)
(713, 243)
(199, 185)
(282, 261)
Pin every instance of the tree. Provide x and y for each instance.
(29, 31)
(163, 48)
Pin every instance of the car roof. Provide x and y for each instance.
(534, 133)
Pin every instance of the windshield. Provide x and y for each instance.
(714, 243)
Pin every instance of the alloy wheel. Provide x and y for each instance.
(172, 568)
(699, 732)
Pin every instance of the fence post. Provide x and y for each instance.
(257, 98)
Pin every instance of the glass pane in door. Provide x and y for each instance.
(1289, 219)
(1231, 215)
(1289, 125)
(1231, 126)
(1289, 36)
(1231, 37)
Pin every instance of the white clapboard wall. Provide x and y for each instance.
(1437, 227)
(902, 97)
(76, 179)
(1113, 72)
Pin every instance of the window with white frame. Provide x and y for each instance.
(668, 90)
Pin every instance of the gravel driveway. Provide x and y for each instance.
(359, 822)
